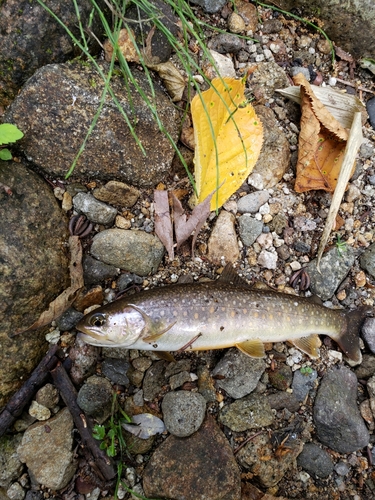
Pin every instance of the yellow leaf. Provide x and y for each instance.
(223, 117)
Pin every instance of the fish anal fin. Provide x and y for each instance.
(229, 275)
(165, 355)
(253, 348)
(308, 345)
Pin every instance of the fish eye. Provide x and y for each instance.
(97, 320)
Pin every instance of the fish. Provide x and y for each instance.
(220, 314)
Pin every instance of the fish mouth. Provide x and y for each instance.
(93, 339)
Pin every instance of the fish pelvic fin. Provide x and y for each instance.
(308, 345)
(348, 338)
(152, 331)
(253, 348)
(167, 356)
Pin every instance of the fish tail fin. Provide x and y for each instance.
(348, 339)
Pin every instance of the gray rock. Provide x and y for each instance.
(303, 383)
(135, 251)
(295, 70)
(212, 472)
(367, 260)
(315, 460)
(33, 268)
(358, 17)
(117, 193)
(370, 106)
(241, 373)
(274, 157)
(47, 396)
(280, 400)
(126, 279)
(49, 455)
(95, 271)
(223, 240)
(251, 412)
(84, 357)
(342, 468)
(65, 94)
(16, 492)
(252, 202)
(249, 229)
(179, 380)
(210, 6)
(31, 37)
(95, 210)
(95, 398)
(182, 365)
(225, 43)
(68, 319)
(338, 422)
(10, 464)
(334, 267)
(368, 332)
(154, 380)
(367, 368)
(183, 412)
(115, 370)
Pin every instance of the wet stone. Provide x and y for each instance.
(96, 211)
(95, 398)
(281, 378)
(68, 319)
(183, 412)
(303, 383)
(154, 380)
(239, 374)
(174, 467)
(115, 370)
(315, 460)
(95, 271)
(251, 412)
(338, 422)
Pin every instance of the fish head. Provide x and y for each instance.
(112, 327)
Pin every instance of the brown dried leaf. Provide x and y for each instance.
(58, 306)
(321, 145)
(163, 223)
(172, 78)
(183, 226)
(125, 45)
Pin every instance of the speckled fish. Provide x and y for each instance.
(214, 315)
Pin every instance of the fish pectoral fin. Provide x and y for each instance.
(308, 345)
(253, 348)
(154, 335)
(152, 328)
(165, 355)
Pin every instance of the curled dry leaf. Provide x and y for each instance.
(321, 144)
(172, 78)
(125, 46)
(163, 222)
(58, 306)
(145, 425)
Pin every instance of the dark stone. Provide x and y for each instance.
(315, 460)
(338, 422)
(281, 377)
(225, 43)
(58, 99)
(68, 319)
(95, 271)
(199, 466)
(33, 267)
(95, 398)
(115, 370)
(210, 6)
(302, 247)
(30, 38)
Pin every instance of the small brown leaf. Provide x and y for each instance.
(172, 78)
(58, 306)
(183, 226)
(163, 223)
(125, 46)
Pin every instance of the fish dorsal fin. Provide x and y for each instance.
(165, 355)
(253, 348)
(229, 275)
(308, 345)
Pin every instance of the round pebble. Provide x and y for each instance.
(183, 412)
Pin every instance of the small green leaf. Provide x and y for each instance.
(9, 133)
(103, 445)
(5, 154)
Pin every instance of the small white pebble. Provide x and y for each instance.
(332, 81)
(259, 58)
(296, 266)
